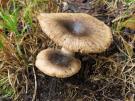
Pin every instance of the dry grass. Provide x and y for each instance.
(110, 78)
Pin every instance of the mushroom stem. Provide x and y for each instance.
(66, 51)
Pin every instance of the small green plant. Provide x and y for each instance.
(5, 88)
(129, 1)
(27, 16)
(10, 20)
(1, 44)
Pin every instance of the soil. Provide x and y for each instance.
(84, 86)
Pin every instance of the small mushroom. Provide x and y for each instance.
(57, 64)
(76, 32)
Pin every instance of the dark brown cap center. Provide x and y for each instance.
(76, 28)
(59, 59)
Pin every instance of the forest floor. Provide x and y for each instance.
(106, 76)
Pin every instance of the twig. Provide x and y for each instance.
(121, 17)
(35, 88)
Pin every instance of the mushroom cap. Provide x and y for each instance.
(77, 32)
(57, 64)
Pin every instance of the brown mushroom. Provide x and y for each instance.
(57, 64)
(76, 32)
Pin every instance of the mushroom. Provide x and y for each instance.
(57, 64)
(76, 32)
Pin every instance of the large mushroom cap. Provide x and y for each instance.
(77, 32)
(57, 64)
